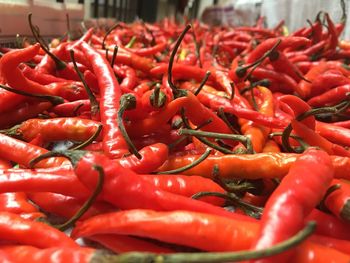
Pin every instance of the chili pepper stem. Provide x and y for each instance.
(93, 102)
(88, 202)
(172, 57)
(187, 167)
(59, 63)
(127, 101)
(73, 156)
(90, 140)
(138, 257)
(55, 100)
(245, 140)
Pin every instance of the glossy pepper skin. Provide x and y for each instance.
(55, 254)
(135, 192)
(114, 144)
(201, 229)
(294, 198)
(21, 231)
(248, 166)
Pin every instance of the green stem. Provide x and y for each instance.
(203, 140)
(189, 166)
(231, 197)
(69, 32)
(73, 156)
(59, 63)
(212, 257)
(93, 102)
(236, 137)
(90, 140)
(201, 85)
(313, 112)
(115, 51)
(172, 57)
(241, 71)
(158, 97)
(197, 47)
(131, 42)
(55, 100)
(222, 115)
(263, 82)
(127, 101)
(85, 207)
(107, 33)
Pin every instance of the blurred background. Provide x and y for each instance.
(51, 15)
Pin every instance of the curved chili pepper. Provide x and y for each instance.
(121, 244)
(314, 139)
(133, 191)
(304, 87)
(22, 153)
(13, 75)
(149, 51)
(249, 165)
(38, 77)
(71, 108)
(14, 228)
(30, 109)
(334, 133)
(16, 203)
(113, 142)
(55, 129)
(277, 224)
(166, 226)
(186, 185)
(330, 97)
(153, 156)
(286, 42)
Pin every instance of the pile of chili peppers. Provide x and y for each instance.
(173, 142)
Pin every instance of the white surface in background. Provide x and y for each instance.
(50, 16)
(296, 12)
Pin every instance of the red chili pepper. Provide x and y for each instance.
(339, 200)
(20, 231)
(304, 87)
(29, 109)
(38, 77)
(186, 185)
(286, 42)
(330, 226)
(114, 144)
(67, 206)
(168, 226)
(40, 181)
(22, 153)
(285, 83)
(129, 77)
(30, 254)
(135, 192)
(338, 244)
(331, 97)
(278, 224)
(327, 81)
(71, 108)
(56, 129)
(149, 51)
(153, 156)
(309, 252)
(314, 139)
(333, 133)
(121, 244)
(13, 75)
